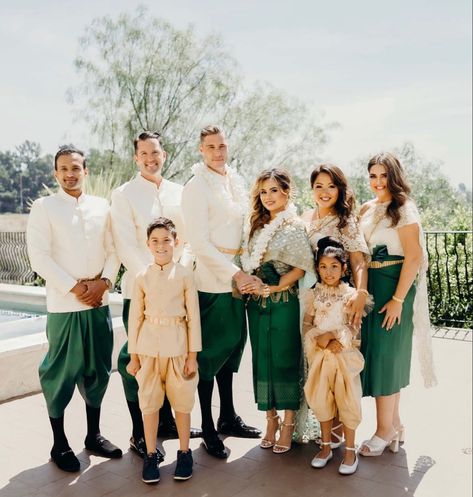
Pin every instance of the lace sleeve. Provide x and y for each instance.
(352, 238)
(409, 214)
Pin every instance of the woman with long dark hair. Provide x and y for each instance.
(277, 250)
(392, 229)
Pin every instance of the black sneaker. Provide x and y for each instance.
(184, 465)
(150, 472)
(139, 447)
(65, 459)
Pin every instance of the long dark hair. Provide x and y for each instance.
(259, 214)
(397, 184)
(346, 199)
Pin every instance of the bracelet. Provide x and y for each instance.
(397, 299)
(362, 290)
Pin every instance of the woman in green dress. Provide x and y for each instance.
(392, 229)
(277, 250)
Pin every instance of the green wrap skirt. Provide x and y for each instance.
(222, 317)
(387, 353)
(276, 345)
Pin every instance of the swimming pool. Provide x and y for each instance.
(23, 340)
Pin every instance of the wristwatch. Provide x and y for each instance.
(108, 283)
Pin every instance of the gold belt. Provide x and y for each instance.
(378, 265)
(229, 251)
(165, 321)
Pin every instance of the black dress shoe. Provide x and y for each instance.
(169, 430)
(65, 459)
(237, 428)
(196, 433)
(214, 446)
(102, 447)
(139, 447)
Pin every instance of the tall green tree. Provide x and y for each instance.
(139, 72)
(24, 173)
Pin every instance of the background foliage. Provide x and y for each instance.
(138, 72)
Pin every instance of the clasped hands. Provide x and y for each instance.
(249, 284)
(328, 341)
(90, 292)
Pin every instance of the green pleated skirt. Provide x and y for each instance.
(387, 353)
(130, 385)
(224, 332)
(274, 325)
(79, 353)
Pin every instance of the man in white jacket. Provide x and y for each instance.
(70, 245)
(136, 204)
(214, 205)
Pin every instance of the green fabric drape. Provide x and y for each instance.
(130, 385)
(80, 353)
(222, 317)
(387, 353)
(276, 345)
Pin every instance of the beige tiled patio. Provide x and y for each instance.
(434, 461)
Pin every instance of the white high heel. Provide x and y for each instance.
(376, 445)
(321, 462)
(402, 434)
(346, 469)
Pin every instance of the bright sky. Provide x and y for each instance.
(388, 72)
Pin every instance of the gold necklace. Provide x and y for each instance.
(320, 223)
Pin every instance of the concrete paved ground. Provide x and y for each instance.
(434, 461)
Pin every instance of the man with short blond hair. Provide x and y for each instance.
(214, 205)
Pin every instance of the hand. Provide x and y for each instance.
(93, 295)
(246, 283)
(334, 346)
(79, 288)
(322, 340)
(355, 308)
(133, 366)
(190, 367)
(393, 312)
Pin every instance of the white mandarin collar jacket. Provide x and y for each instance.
(70, 239)
(210, 225)
(135, 205)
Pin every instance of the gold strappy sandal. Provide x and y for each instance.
(281, 449)
(265, 443)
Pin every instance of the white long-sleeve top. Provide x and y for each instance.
(212, 224)
(70, 239)
(135, 205)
